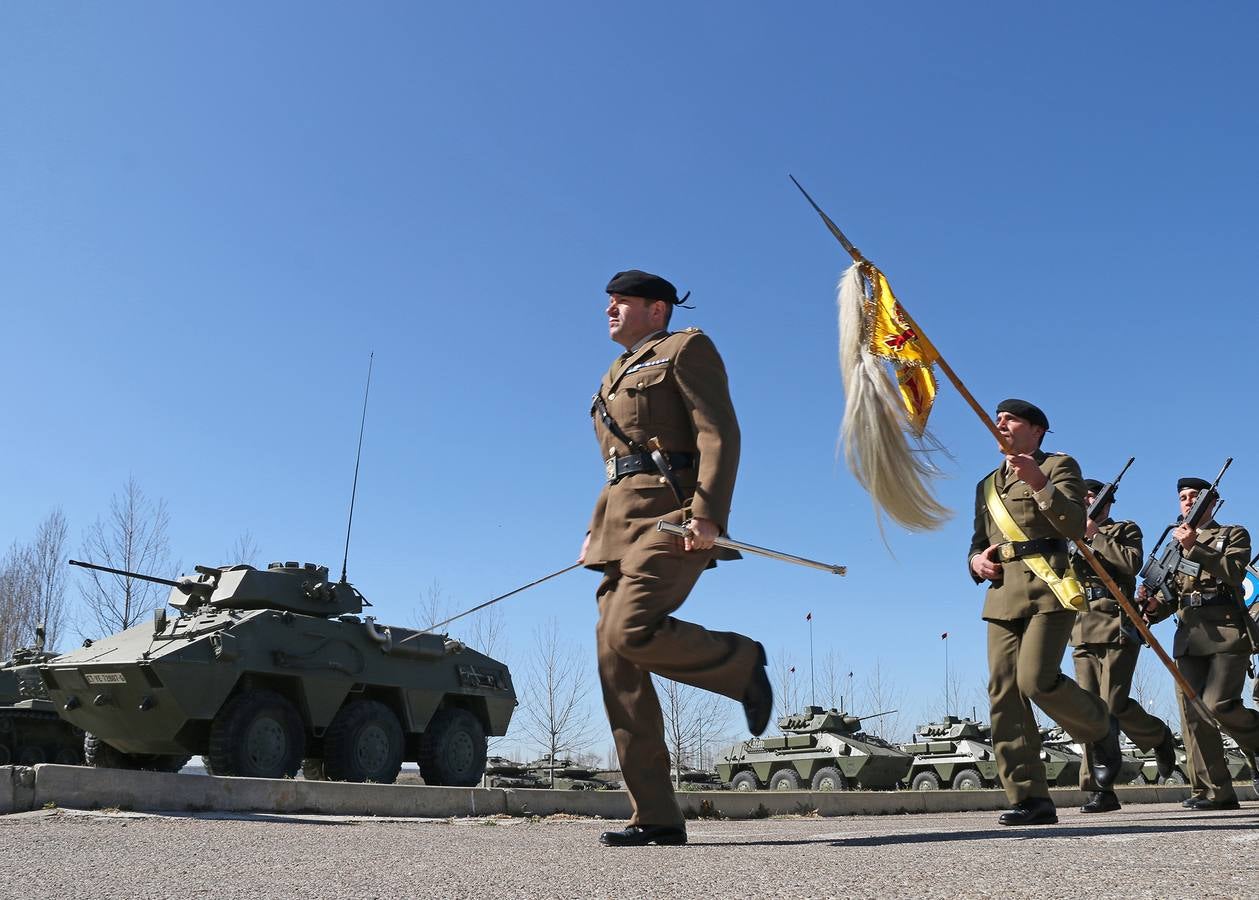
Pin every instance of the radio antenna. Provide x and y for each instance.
(357, 458)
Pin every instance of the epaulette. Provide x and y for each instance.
(692, 330)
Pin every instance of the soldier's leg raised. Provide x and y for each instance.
(1208, 769)
(1143, 729)
(1015, 736)
(1084, 715)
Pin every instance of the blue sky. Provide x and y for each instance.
(211, 216)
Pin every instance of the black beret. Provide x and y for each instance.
(1196, 484)
(1024, 410)
(636, 283)
(1094, 486)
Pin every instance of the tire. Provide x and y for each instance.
(452, 749)
(744, 781)
(312, 769)
(257, 734)
(968, 780)
(925, 781)
(784, 780)
(1176, 777)
(101, 755)
(829, 778)
(364, 743)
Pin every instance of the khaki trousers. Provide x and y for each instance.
(636, 636)
(1107, 670)
(1218, 679)
(1024, 667)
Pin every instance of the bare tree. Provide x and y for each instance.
(556, 717)
(485, 631)
(830, 684)
(434, 606)
(786, 685)
(243, 552)
(48, 573)
(883, 696)
(17, 600)
(691, 717)
(132, 537)
(1148, 685)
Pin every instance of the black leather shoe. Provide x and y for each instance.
(1205, 804)
(1033, 811)
(1165, 755)
(642, 835)
(1101, 801)
(1107, 757)
(758, 699)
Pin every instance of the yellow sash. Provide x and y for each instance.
(1067, 589)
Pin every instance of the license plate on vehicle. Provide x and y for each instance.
(105, 678)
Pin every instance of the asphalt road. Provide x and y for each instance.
(1148, 851)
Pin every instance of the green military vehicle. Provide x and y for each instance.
(952, 753)
(1240, 765)
(564, 774)
(820, 749)
(1056, 739)
(31, 732)
(265, 671)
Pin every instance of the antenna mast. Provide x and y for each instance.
(357, 458)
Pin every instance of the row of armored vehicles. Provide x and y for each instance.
(262, 673)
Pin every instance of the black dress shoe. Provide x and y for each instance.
(1205, 804)
(1101, 801)
(642, 835)
(1165, 755)
(1107, 757)
(758, 699)
(1033, 811)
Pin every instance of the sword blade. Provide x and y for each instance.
(680, 531)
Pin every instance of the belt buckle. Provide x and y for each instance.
(609, 468)
(1006, 551)
(1195, 599)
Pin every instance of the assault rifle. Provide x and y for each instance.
(1107, 494)
(1159, 569)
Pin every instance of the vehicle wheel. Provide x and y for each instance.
(257, 734)
(364, 743)
(828, 778)
(967, 780)
(784, 780)
(452, 749)
(744, 781)
(925, 781)
(312, 769)
(1176, 777)
(103, 756)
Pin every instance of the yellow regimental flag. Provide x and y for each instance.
(893, 337)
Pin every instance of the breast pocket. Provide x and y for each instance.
(649, 391)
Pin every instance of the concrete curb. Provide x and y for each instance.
(76, 787)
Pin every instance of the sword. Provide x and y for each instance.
(681, 531)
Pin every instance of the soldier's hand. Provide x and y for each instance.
(985, 565)
(700, 534)
(1028, 470)
(585, 545)
(1090, 529)
(1185, 536)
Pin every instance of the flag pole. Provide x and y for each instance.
(812, 683)
(946, 675)
(1138, 620)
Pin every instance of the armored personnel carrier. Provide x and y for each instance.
(564, 774)
(951, 753)
(1057, 739)
(265, 671)
(821, 750)
(31, 732)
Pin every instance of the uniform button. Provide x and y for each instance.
(612, 396)
(1062, 518)
(661, 479)
(640, 384)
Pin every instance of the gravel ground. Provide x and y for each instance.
(1143, 851)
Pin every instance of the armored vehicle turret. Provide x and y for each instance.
(951, 753)
(262, 669)
(31, 732)
(820, 749)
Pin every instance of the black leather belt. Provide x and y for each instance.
(1197, 599)
(619, 467)
(1098, 592)
(1018, 549)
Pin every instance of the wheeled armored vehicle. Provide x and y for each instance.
(265, 671)
(821, 750)
(952, 753)
(31, 732)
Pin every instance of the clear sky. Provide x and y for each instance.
(211, 215)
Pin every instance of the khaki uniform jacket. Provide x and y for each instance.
(1119, 546)
(1018, 593)
(1222, 551)
(674, 388)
